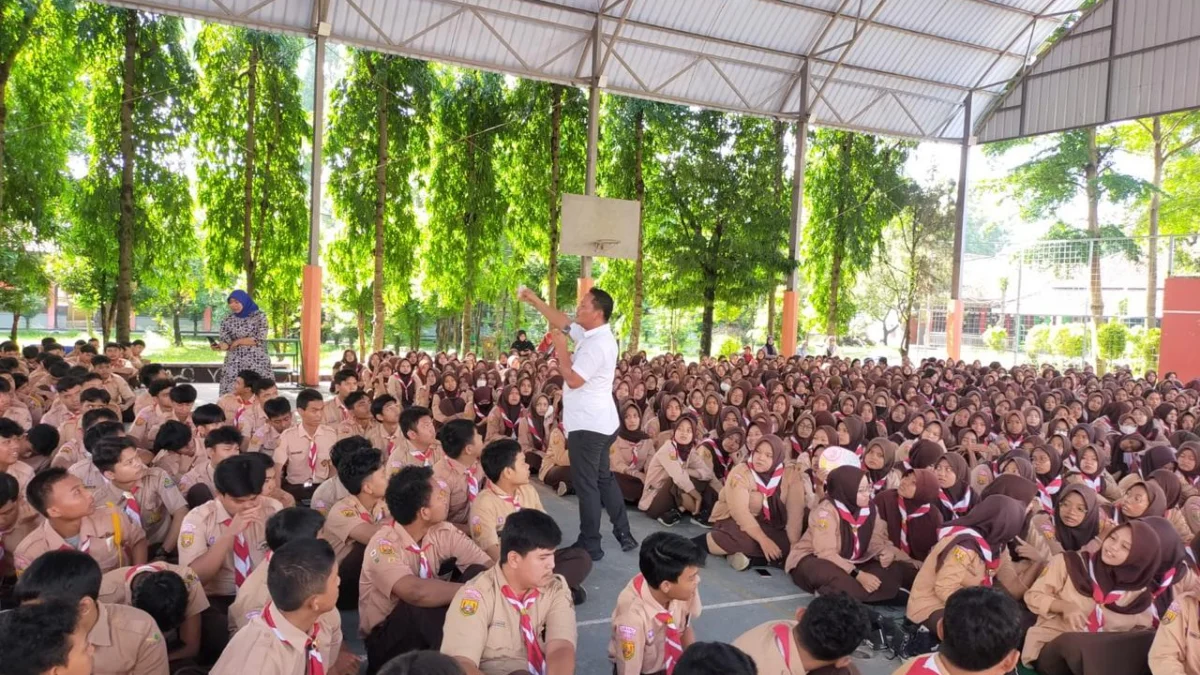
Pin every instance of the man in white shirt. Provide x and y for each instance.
(589, 412)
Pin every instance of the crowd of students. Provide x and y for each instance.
(1017, 515)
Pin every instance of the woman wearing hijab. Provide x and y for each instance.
(668, 409)
(349, 361)
(1083, 598)
(450, 402)
(243, 339)
(504, 421)
(630, 452)
(1142, 499)
(1093, 472)
(1075, 523)
(852, 434)
(760, 510)
(556, 464)
(1047, 469)
(678, 477)
(846, 549)
(532, 432)
(1173, 494)
(879, 461)
(912, 520)
(955, 497)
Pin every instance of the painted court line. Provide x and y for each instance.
(719, 605)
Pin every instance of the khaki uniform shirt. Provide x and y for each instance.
(740, 500)
(1176, 647)
(772, 655)
(69, 454)
(20, 414)
(327, 494)
(454, 476)
(492, 507)
(335, 412)
(383, 441)
(200, 530)
(486, 628)
(630, 458)
(23, 473)
(933, 587)
(292, 453)
(351, 427)
(235, 409)
(127, 642)
(345, 515)
(9, 541)
(265, 439)
(389, 560)
(148, 420)
(257, 649)
(158, 496)
(666, 467)
(406, 453)
(639, 640)
(177, 464)
(116, 586)
(823, 539)
(201, 473)
(253, 596)
(118, 391)
(253, 418)
(97, 532)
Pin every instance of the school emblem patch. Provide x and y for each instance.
(186, 539)
(1171, 614)
(349, 513)
(385, 547)
(470, 602)
(628, 649)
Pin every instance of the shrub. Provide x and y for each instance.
(1145, 345)
(1069, 341)
(730, 346)
(1112, 337)
(1037, 341)
(996, 338)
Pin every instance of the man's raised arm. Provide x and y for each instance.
(556, 318)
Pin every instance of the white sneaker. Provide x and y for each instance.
(561, 489)
(738, 561)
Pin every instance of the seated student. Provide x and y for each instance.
(303, 451)
(152, 416)
(287, 636)
(220, 444)
(344, 382)
(183, 399)
(170, 594)
(556, 464)
(981, 633)
(47, 638)
(419, 447)
(263, 389)
(271, 487)
(354, 519)
(360, 421)
(956, 497)
(147, 375)
(40, 442)
(652, 620)
(121, 366)
(1175, 649)
(101, 424)
(125, 639)
(11, 407)
(912, 520)
(823, 636)
(332, 491)
(74, 521)
(148, 496)
(630, 452)
(402, 601)
(1075, 523)
(714, 658)
(12, 438)
(174, 451)
(879, 461)
(459, 469)
(66, 407)
(385, 434)
(118, 390)
(425, 662)
(12, 531)
(279, 418)
(760, 511)
(72, 427)
(517, 616)
(224, 540)
(678, 476)
(532, 432)
(503, 420)
(1064, 600)
(284, 528)
(509, 491)
(238, 402)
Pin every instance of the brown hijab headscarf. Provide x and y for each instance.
(1075, 538)
(1138, 570)
(997, 519)
(921, 529)
(778, 456)
(924, 454)
(841, 487)
(878, 477)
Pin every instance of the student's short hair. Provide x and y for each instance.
(411, 417)
(343, 375)
(209, 413)
(714, 658)
(455, 436)
(37, 636)
(239, 476)
(85, 348)
(58, 369)
(9, 428)
(101, 430)
(149, 373)
(66, 382)
(223, 434)
(95, 395)
(603, 302)
(356, 462)
(262, 384)
(19, 379)
(30, 351)
(277, 407)
(497, 456)
(44, 439)
(354, 397)
(833, 626)
(10, 489)
(8, 346)
(380, 403)
(293, 524)
(106, 452)
(173, 436)
(183, 393)
(97, 416)
(101, 360)
(138, 343)
(47, 341)
(249, 377)
(63, 574)
(665, 556)
(112, 345)
(81, 373)
(9, 363)
(307, 396)
(981, 626)
(427, 662)
(299, 570)
(163, 595)
(266, 460)
(5, 387)
(526, 531)
(408, 492)
(157, 387)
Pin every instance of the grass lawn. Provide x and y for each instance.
(160, 350)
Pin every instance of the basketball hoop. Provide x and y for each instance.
(602, 245)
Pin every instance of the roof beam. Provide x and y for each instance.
(858, 31)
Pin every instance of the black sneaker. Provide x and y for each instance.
(702, 520)
(628, 543)
(912, 640)
(671, 518)
(578, 595)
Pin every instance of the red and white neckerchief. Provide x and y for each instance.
(715, 448)
(672, 645)
(860, 450)
(925, 665)
(1095, 622)
(421, 457)
(312, 460)
(513, 500)
(472, 481)
(316, 666)
(368, 518)
(138, 569)
(243, 564)
(923, 510)
(796, 449)
(1096, 483)
(855, 522)
(1046, 493)
(342, 409)
(85, 545)
(132, 507)
(880, 484)
(1194, 482)
(1015, 443)
(958, 508)
(535, 660)
(767, 489)
(510, 425)
(990, 562)
(1167, 580)
(424, 570)
(242, 406)
(783, 642)
(633, 451)
(534, 432)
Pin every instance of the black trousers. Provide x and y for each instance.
(595, 486)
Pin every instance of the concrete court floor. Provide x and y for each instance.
(733, 601)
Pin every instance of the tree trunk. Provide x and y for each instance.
(176, 330)
(12, 335)
(780, 154)
(905, 321)
(1094, 285)
(125, 224)
(465, 328)
(1160, 162)
(380, 210)
(361, 317)
(248, 261)
(706, 328)
(109, 317)
(5, 70)
(639, 188)
(556, 95)
(835, 282)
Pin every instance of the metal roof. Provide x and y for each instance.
(894, 67)
(1125, 59)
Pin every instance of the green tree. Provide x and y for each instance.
(853, 186)
(1113, 337)
(24, 284)
(250, 134)
(378, 143)
(135, 196)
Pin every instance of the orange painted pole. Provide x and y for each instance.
(791, 301)
(954, 311)
(310, 313)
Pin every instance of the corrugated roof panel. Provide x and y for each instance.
(1083, 49)
(976, 23)
(1067, 99)
(919, 57)
(1160, 80)
(768, 25)
(1099, 17)
(1004, 124)
(701, 82)
(1147, 23)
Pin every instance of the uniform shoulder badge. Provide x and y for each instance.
(470, 602)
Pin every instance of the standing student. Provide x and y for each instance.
(652, 621)
(303, 452)
(354, 519)
(981, 633)
(823, 636)
(47, 638)
(458, 470)
(517, 616)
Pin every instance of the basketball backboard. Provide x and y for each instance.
(601, 228)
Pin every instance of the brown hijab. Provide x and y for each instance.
(778, 456)
(878, 477)
(1156, 507)
(631, 436)
(922, 529)
(1075, 538)
(924, 454)
(997, 519)
(1138, 570)
(841, 486)
(1171, 487)
(1172, 564)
